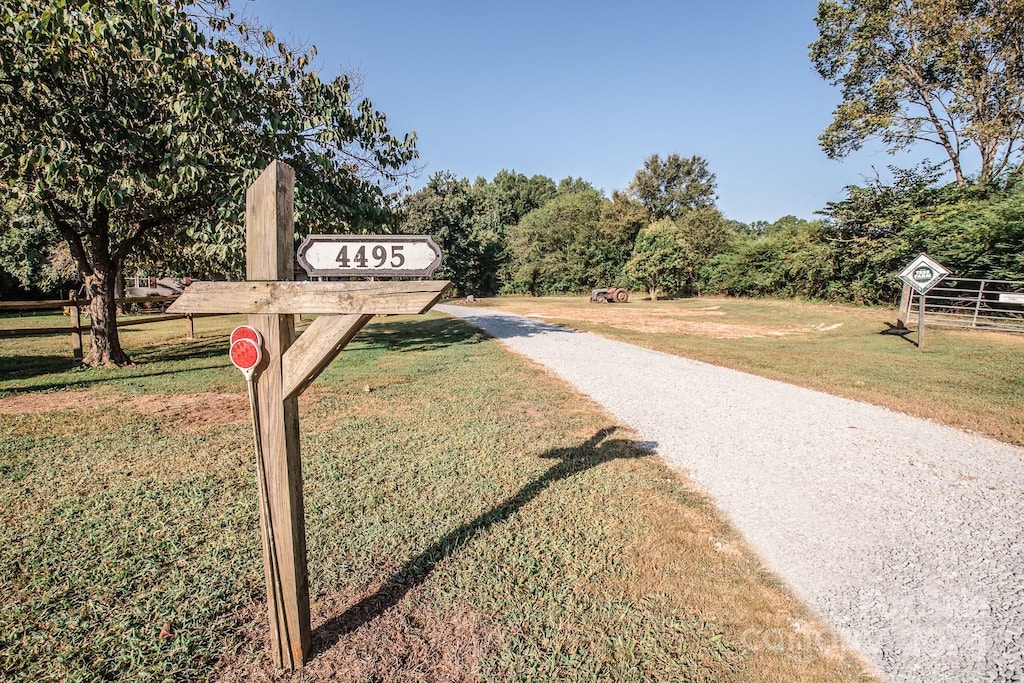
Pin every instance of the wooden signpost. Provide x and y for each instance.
(288, 366)
(921, 275)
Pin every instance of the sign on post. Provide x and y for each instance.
(922, 274)
(279, 364)
(376, 256)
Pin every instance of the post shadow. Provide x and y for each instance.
(901, 332)
(591, 453)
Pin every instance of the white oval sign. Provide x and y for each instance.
(369, 255)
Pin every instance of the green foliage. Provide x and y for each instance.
(945, 73)
(661, 259)
(132, 128)
(975, 231)
(671, 187)
(787, 258)
(511, 195)
(670, 256)
(469, 234)
(866, 239)
(551, 248)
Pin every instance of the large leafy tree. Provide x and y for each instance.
(450, 211)
(512, 195)
(670, 255)
(944, 72)
(551, 248)
(661, 260)
(670, 187)
(132, 127)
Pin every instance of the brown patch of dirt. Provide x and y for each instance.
(407, 643)
(20, 404)
(193, 410)
(673, 322)
(186, 410)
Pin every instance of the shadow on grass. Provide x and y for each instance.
(900, 332)
(44, 374)
(66, 372)
(418, 334)
(594, 451)
(24, 367)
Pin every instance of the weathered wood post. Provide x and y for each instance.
(190, 326)
(906, 296)
(920, 320)
(76, 326)
(273, 303)
(270, 255)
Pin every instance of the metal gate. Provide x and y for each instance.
(968, 303)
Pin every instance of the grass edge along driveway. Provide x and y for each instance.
(469, 518)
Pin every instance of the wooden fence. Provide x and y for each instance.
(74, 326)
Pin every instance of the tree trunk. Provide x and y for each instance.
(105, 347)
(653, 291)
(119, 290)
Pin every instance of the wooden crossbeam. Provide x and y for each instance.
(339, 298)
(316, 348)
(290, 364)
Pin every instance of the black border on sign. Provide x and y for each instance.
(300, 255)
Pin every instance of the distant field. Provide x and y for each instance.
(971, 380)
(492, 524)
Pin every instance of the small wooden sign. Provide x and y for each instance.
(287, 363)
(369, 256)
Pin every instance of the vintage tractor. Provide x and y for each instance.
(609, 295)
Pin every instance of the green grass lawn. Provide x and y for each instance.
(468, 518)
(971, 380)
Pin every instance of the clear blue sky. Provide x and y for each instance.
(590, 89)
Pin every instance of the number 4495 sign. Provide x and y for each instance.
(369, 255)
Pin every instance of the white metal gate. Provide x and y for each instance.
(969, 303)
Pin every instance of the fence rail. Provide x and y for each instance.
(74, 326)
(968, 303)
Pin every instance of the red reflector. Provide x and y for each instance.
(247, 332)
(245, 354)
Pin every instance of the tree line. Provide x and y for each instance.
(664, 235)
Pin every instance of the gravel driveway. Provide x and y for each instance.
(907, 536)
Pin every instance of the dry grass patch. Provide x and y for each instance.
(23, 404)
(471, 517)
(408, 643)
(697, 556)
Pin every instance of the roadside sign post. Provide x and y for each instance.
(369, 255)
(921, 275)
(286, 365)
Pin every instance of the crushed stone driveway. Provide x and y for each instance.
(906, 535)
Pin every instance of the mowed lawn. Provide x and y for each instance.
(469, 517)
(967, 379)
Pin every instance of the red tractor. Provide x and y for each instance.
(609, 295)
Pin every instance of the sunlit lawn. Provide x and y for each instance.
(469, 518)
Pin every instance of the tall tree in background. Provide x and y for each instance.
(512, 195)
(671, 187)
(546, 246)
(669, 255)
(945, 72)
(134, 126)
(448, 209)
(661, 261)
